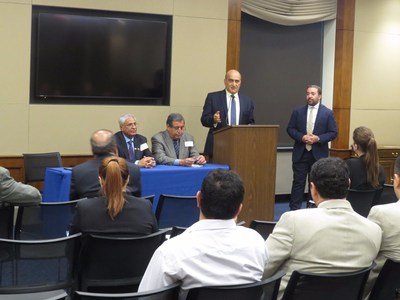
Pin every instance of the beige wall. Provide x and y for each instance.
(198, 66)
(376, 65)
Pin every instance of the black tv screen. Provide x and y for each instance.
(100, 57)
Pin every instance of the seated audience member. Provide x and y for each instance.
(174, 146)
(213, 251)
(17, 193)
(131, 145)
(85, 176)
(114, 212)
(365, 171)
(387, 216)
(330, 238)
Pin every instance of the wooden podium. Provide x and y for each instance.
(250, 150)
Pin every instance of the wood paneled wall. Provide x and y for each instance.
(233, 46)
(16, 164)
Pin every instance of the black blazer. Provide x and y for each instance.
(136, 217)
(85, 180)
(216, 101)
(358, 174)
(137, 141)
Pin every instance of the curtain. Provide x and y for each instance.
(291, 12)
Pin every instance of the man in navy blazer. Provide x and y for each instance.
(141, 154)
(311, 137)
(218, 106)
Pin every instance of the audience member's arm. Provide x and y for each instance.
(156, 276)
(17, 192)
(279, 245)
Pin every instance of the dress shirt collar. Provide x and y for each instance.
(127, 139)
(335, 203)
(316, 106)
(210, 224)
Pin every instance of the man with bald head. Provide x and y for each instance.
(226, 107)
(85, 176)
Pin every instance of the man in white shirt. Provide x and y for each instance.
(213, 251)
(387, 216)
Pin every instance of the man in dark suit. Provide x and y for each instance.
(85, 176)
(174, 146)
(131, 145)
(312, 127)
(218, 107)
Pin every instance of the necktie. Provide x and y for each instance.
(130, 150)
(176, 146)
(233, 110)
(310, 125)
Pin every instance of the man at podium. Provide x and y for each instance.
(226, 107)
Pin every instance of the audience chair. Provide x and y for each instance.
(333, 286)
(38, 269)
(150, 198)
(387, 282)
(116, 264)
(170, 292)
(361, 200)
(386, 196)
(35, 165)
(266, 289)
(263, 227)
(177, 211)
(176, 230)
(6, 221)
(47, 220)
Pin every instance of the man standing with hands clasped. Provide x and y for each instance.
(312, 127)
(226, 107)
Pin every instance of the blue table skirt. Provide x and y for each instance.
(172, 180)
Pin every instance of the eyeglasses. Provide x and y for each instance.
(178, 127)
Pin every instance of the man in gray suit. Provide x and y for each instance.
(16, 192)
(174, 146)
(387, 216)
(330, 238)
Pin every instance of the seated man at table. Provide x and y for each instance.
(17, 193)
(85, 176)
(213, 251)
(174, 146)
(330, 238)
(131, 145)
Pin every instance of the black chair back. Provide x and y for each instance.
(174, 210)
(387, 195)
(176, 230)
(263, 227)
(387, 282)
(150, 198)
(361, 200)
(266, 289)
(170, 292)
(38, 266)
(333, 286)
(116, 264)
(35, 164)
(48, 220)
(6, 221)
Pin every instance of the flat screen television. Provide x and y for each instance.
(84, 56)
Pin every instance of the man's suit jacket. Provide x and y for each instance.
(331, 238)
(136, 217)
(387, 216)
(216, 101)
(137, 141)
(164, 151)
(85, 179)
(324, 127)
(17, 192)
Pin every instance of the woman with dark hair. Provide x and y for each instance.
(365, 171)
(114, 212)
